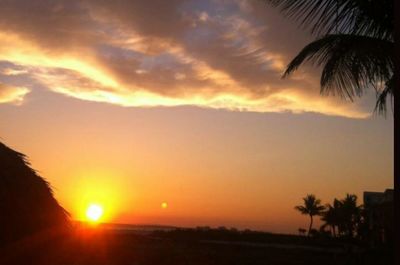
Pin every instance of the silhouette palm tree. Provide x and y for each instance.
(311, 207)
(350, 214)
(354, 46)
(344, 214)
(27, 204)
(331, 216)
(328, 217)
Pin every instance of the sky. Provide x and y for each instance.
(132, 104)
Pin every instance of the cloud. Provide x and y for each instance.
(13, 95)
(212, 54)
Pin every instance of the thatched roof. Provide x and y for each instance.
(27, 204)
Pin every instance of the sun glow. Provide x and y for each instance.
(94, 212)
(96, 186)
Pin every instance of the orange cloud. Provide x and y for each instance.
(13, 95)
(190, 57)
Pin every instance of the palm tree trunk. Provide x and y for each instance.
(334, 230)
(311, 222)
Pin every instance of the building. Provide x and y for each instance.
(372, 198)
(379, 216)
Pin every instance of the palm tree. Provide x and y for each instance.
(27, 204)
(351, 214)
(344, 214)
(311, 207)
(328, 216)
(354, 46)
(331, 216)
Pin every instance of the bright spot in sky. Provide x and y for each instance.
(94, 212)
(164, 205)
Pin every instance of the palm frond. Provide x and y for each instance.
(311, 205)
(301, 209)
(350, 63)
(372, 18)
(388, 90)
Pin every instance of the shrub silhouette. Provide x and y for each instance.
(27, 204)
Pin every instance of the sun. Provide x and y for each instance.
(94, 212)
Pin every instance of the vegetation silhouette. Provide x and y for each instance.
(365, 240)
(344, 215)
(371, 225)
(27, 204)
(350, 214)
(302, 231)
(354, 45)
(331, 216)
(312, 206)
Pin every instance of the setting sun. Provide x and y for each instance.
(94, 212)
(142, 132)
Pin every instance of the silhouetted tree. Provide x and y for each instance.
(331, 216)
(355, 44)
(350, 214)
(345, 215)
(302, 231)
(311, 207)
(27, 204)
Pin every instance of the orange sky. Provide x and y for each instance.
(129, 106)
(212, 167)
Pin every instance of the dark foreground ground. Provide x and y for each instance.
(185, 247)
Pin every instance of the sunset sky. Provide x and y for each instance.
(174, 112)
